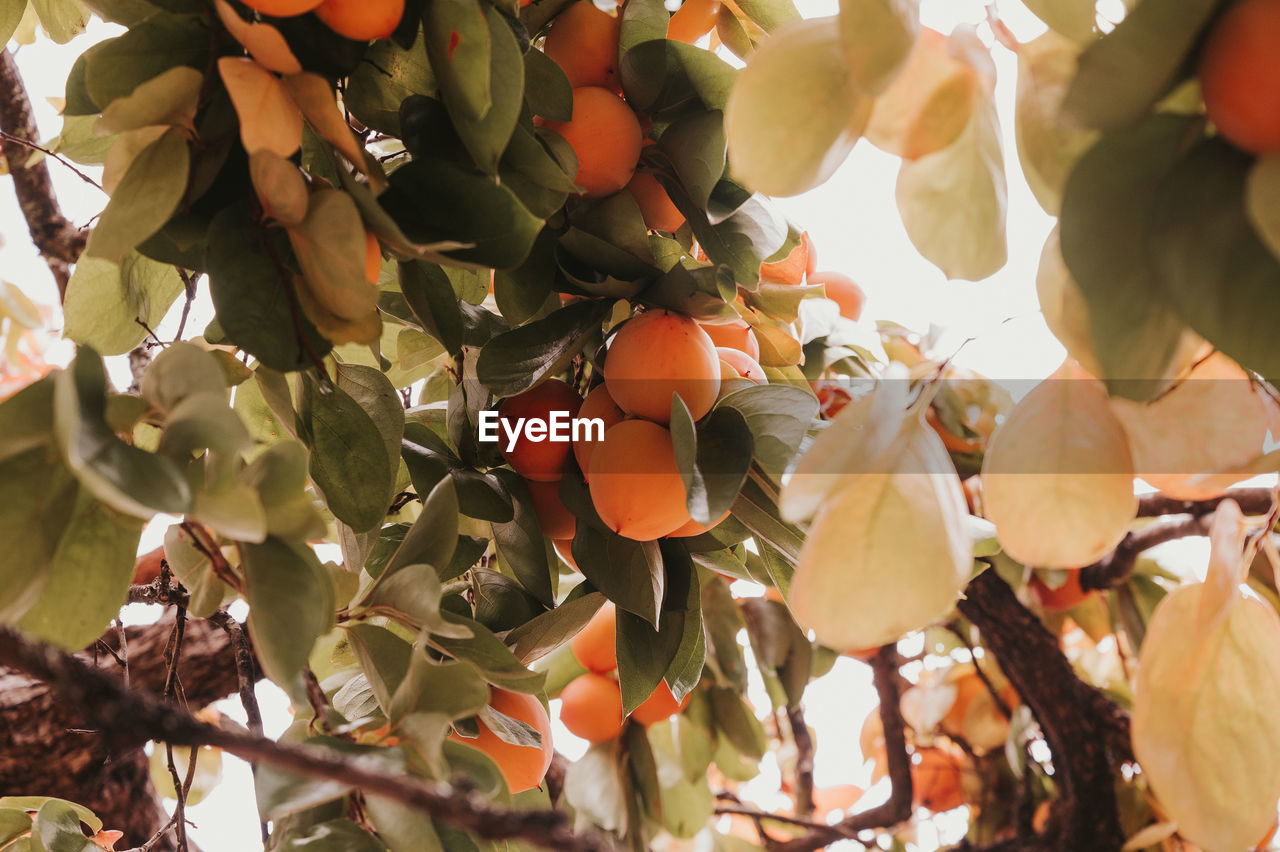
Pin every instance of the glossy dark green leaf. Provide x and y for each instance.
(488, 653)
(521, 545)
(695, 145)
(56, 828)
(373, 391)
(434, 200)
(1108, 201)
(643, 20)
(547, 89)
(724, 451)
(542, 634)
(518, 359)
(117, 66)
(487, 137)
(629, 573)
(253, 304)
(522, 292)
(459, 47)
(388, 75)
(661, 74)
(434, 535)
(698, 293)
(778, 417)
(349, 462)
(431, 298)
(291, 604)
(1210, 261)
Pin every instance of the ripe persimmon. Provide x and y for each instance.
(842, 290)
(742, 364)
(538, 460)
(1060, 599)
(659, 213)
(1240, 75)
(597, 405)
(556, 520)
(937, 774)
(282, 8)
(361, 20)
(660, 705)
(591, 707)
(523, 767)
(595, 645)
(635, 482)
(658, 354)
(583, 41)
(147, 568)
(693, 20)
(606, 137)
(736, 335)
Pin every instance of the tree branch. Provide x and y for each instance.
(1253, 501)
(1117, 567)
(129, 718)
(59, 241)
(1087, 734)
(804, 760)
(897, 808)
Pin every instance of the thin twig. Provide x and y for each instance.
(804, 761)
(27, 143)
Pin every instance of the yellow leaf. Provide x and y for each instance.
(313, 96)
(878, 36)
(128, 146)
(929, 103)
(167, 99)
(1063, 305)
(269, 119)
(880, 535)
(1057, 478)
(263, 41)
(1205, 727)
(1213, 420)
(794, 112)
(1227, 533)
(335, 329)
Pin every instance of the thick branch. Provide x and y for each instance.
(1087, 734)
(132, 717)
(1253, 501)
(54, 236)
(1117, 567)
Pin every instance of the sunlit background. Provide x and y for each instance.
(993, 326)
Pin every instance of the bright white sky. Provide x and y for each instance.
(856, 228)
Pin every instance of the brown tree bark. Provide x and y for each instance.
(49, 748)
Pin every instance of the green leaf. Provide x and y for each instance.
(662, 74)
(695, 144)
(56, 828)
(434, 535)
(170, 98)
(389, 74)
(433, 200)
(254, 306)
(1108, 201)
(63, 20)
(547, 89)
(115, 67)
(182, 370)
(291, 604)
(384, 658)
(487, 653)
(146, 197)
(126, 478)
(34, 803)
(518, 359)
(725, 447)
(722, 621)
(433, 301)
(373, 391)
(104, 301)
(799, 77)
(1209, 260)
(336, 835)
(542, 634)
(770, 14)
(14, 822)
(877, 36)
(349, 462)
(628, 572)
(736, 721)
(520, 543)
(10, 17)
(402, 828)
(642, 20)
(486, 137)
(954, 201)
(778, 416)
(88, 578)
(453, 690)
(281, 794)
(1124, 73)
(37, 497)
(459, 46)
